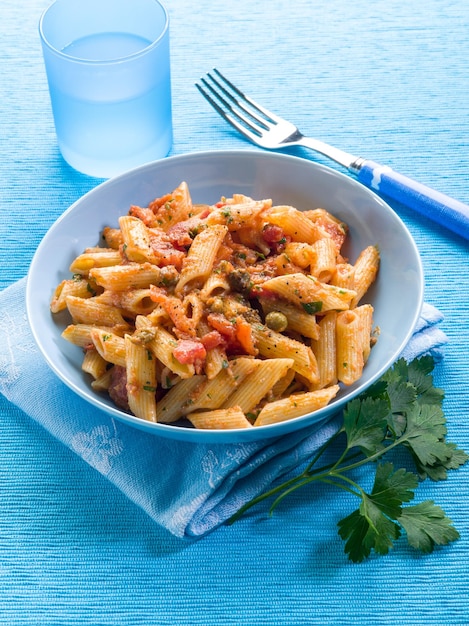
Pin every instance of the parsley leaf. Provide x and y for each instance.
(401, 410)
(367, 529)
(426, 525)
(312, 308)
(365, 422)
(372, 526)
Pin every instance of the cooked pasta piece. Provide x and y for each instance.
(295, 405)
(113, 237)
(353, 343)
(80, 334)
(94, 364)
(298, 320)
(128, 276)
(199, 261)
(215, 285)
(220, 419)
(177, 401)
(133, 302)
(300, 253)
(324, 260)
(344, 276)
(78, 287)
(325, 350)
(110, 346)
(236, 215)
(213, 393)
(136, 237)
(103, 382)
(366, 268)
(95, 257)
(273, 345)
(309, 293)
(172, 208)
(88, 311)
(257, 384)
(141, 379)
(365, 313)
(295, 224)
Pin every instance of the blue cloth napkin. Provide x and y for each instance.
(188, 489)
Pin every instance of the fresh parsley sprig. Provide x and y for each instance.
(402, 410)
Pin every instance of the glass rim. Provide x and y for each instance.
(113, 61)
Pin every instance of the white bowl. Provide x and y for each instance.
(397, 294)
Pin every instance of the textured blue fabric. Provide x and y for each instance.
(386, 80)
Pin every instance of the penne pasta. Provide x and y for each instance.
(113, 237)
(89, 311)
(310, 294)
(215, 285)
(110, 346)
(295, 405)
(325, 350)
(141, 379)
(136, 238)
(344, 276)
(162, 343)
(221, 419)
(275, 345)
(172, 208)
(297, 319)
(199, 262)
(295, 224)
(237, 215)
(78, 287)
(258, 383)
(323, 265)
(102, 383)
(366, 268)
(128, 276)
(132, 302)
(213, 393)
(96, 257)
(353, 342)
(220, 316)
(94, 364)
(177, 401)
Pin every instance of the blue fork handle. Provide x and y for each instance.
(438, 207)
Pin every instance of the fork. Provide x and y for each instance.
(269, 131)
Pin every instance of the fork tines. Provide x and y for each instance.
(233, 105)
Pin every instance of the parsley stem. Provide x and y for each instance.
(321, 450)
(343, 487)
(336, 464)
(263, 496)
(290, 490)
(374, 457)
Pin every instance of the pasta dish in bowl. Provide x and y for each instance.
(224, 296)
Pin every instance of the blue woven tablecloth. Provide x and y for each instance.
(387, 80)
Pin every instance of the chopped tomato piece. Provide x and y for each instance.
(244, 336)
(189, 351)
(220, 323)
(145, 214)
(272, 233)
(212, 340)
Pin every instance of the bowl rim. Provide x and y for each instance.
(218, 435)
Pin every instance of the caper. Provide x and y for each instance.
(217, 305)
(276, 321)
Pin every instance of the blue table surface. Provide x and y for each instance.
(387, 80)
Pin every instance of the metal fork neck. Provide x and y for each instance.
(345, 159)
(357, 164)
